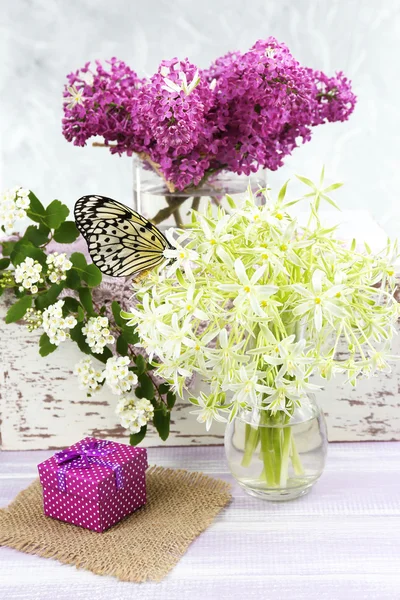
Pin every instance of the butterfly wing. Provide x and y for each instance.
(121, 242)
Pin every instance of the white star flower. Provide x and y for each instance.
(318, 302)
(248, 292)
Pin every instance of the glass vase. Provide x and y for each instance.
(276, 456)
(153, 198)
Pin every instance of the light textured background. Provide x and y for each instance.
(41, 41)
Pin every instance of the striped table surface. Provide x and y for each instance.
(342, 541)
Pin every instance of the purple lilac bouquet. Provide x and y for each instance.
(245, 112)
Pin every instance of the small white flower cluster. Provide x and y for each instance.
(134, 413)
(89, 378)
(97, 334)
(13, 206)
(117, 375)
(58, 265)
(28, 274)
(55, 325)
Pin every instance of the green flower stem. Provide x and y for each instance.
(252, 438)
(267, 455)
(278, 448)
(286, 443)
(296, 462)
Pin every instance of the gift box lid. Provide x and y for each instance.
(71, 472)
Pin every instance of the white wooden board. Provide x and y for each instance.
(341, 542)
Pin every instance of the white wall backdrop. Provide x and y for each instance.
(42, 40)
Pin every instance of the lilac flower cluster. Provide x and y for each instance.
(246, 111)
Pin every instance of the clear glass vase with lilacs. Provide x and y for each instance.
(198, 134)
(255, 304)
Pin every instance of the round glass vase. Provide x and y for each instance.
(277, 457)
(156, 199)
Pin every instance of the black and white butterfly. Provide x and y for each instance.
(121, 242)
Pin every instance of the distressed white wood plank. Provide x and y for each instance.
(339, 542)
(41, 405)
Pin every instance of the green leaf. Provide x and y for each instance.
(85, 296)
(81, 314)
(161, 422)
(71, 305)
(66, 233)
(23, 249)
(282, 192)
(130, 334)
(334, 186)
(136, 438)
(171, 399)
(146, 386)
(36, 211)
(140, 364)
(78, 337)
(330, 201)
(7, 248)
(89, 273)
(4, 263)
(122, 345)
(139, 393)
(116, 311)
(37, 235)
(45, 346)
(164, 388)
(307, 182)
(56, 213)
(17, 311)
(322, 176)
(49, 297)
(73, 281)
(92, 276)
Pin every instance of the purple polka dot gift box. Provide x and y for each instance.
(94, 483)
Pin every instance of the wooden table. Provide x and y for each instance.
(342, 541)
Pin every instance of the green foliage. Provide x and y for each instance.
(78, 337)
(130, 334)
(71, 305)
(146, 387)
(85, 296)
(116, 311)
(17, 311)
(24, 248)
(4, 263)
(37, 235)
(56, 213)
(7, 248)
(73, 281)
(122, 345)
(164, 388)
(66, 233)
(171, 399)
(45, 346)
(36, 211)
(50, 297)
(140, 364)
(161, 421)
(89, 273)
(136, 438)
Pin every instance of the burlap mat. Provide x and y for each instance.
(144, 546)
